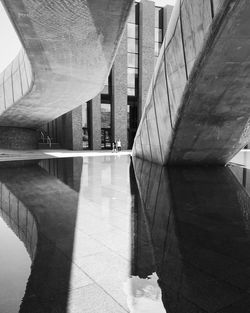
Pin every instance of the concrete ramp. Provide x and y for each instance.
(198, 106)
(68, 50)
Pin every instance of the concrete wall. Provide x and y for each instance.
(72, 129)
(95, 123)
(146, 50)
(18, 138)
(119, 94)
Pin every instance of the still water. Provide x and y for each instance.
(105, 234)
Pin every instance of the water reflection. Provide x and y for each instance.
(189, 249)
(192, 229)
(42, 211)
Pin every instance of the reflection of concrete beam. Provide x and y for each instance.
(199, 236)
(69, 49)
(197, 109)
(53, 205)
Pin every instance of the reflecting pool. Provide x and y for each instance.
(112, 234)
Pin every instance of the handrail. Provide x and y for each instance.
(45, 135)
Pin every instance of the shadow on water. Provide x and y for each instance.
(191, 231)
(42, 210)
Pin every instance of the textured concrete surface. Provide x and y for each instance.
(18, 138)
(119, 94)
(72, 129)
(69, 49)
(197, 109)
(95, 123)
(146, 50)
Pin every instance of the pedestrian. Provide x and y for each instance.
(113, 146)
(119, 145)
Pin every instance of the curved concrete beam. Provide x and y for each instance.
(69, 47)
(197, 110)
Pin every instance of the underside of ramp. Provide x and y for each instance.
(198, 106)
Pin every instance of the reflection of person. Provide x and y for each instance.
(113, 146)
(119, 145)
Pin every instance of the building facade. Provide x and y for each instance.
(115, 112)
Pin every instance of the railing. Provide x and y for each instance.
(45, 136)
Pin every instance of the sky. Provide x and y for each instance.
(10, 44)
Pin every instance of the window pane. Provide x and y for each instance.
(134, 14)
(106, 83)
(132, 45)
(84, 115)
(131, 17)
(106, 115)
(132, 60)
(157, 48)
(158, 17)
(158, 34)
(105, 90)
(131, 91)
(132, 30)
(132, 77)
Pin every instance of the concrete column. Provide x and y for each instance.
(119, 94)
(95, 123)
(146, 48)
(72, 126)
(167, 11)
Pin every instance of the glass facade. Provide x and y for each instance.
(106, 114)
(85, 131)
(133, 50)
(158, 30)
(132, 72)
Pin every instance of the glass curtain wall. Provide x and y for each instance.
(132, 72)
(133, 50)
(106, 113)
(85, 131)
(158, 30)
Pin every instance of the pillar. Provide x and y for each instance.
(119, 94)
(146, 50)
(94, 123)
(72, 129)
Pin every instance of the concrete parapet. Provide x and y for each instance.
(18, 138)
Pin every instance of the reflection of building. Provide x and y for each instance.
(116, 111)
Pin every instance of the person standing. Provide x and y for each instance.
(113, 146)
(119, 145)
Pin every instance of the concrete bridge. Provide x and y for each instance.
(68, 50)
(197, 110)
